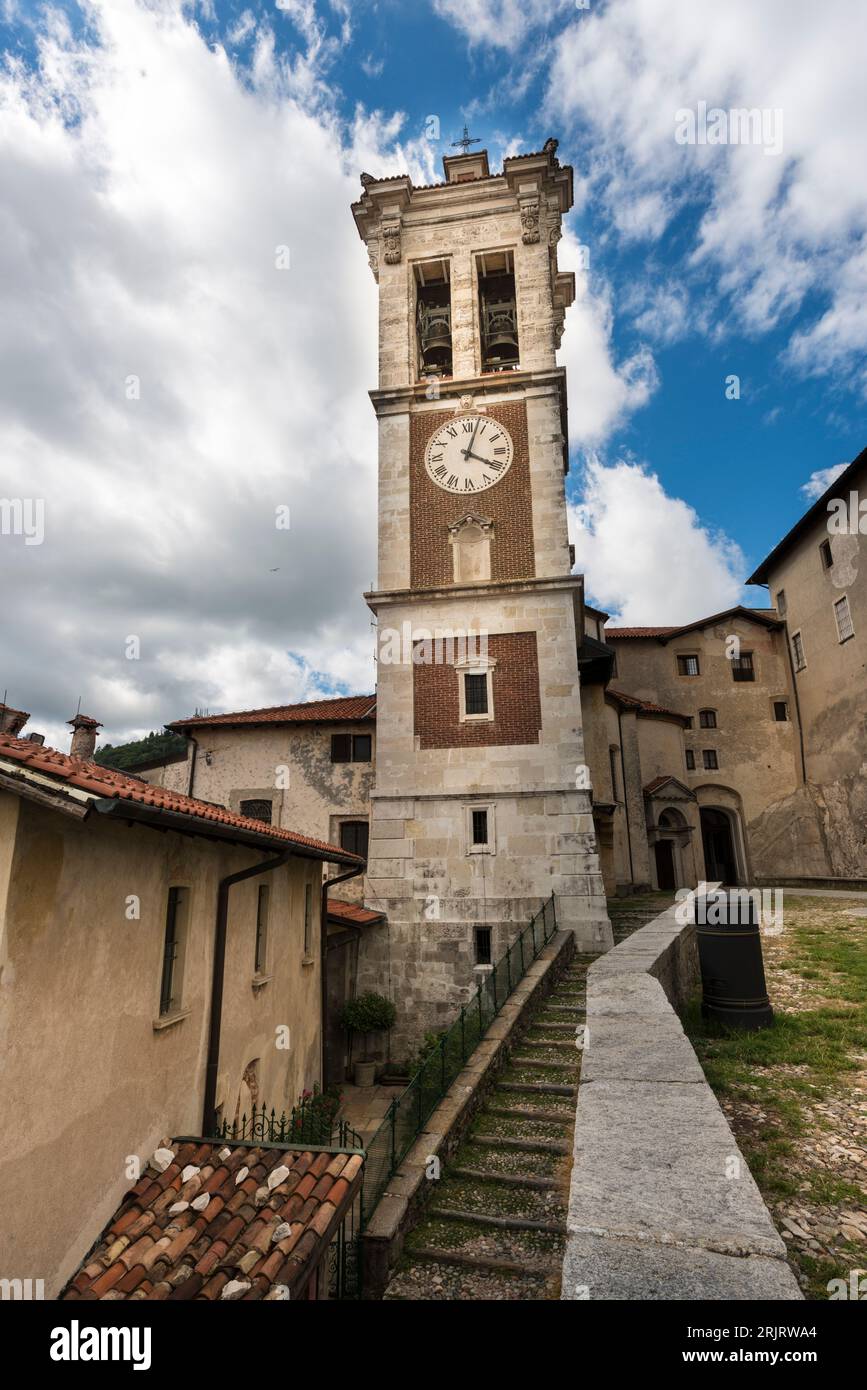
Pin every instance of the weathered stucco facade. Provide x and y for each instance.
(817, 577)
(95, 1071)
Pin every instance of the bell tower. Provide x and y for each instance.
(481, 807)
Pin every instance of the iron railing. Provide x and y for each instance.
(409, 1111)
(306, 1123)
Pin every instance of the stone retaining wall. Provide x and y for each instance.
(407, 1191)
(662, 1204)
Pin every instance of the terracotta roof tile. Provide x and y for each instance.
(352, 913)
(337, 709)
(194, 1255)
(644, 706)
(108, 785)
(637, 632)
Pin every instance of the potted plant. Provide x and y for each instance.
(366, 1014)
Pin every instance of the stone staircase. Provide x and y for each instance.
(494, 1228)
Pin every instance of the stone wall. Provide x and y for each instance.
(662, 1205)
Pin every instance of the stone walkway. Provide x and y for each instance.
(495, 1227)
(364, 1107)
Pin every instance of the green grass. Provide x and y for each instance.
(809, 1054)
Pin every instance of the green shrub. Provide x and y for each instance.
(368, 1013)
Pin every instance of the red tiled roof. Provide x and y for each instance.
(106, 783)
(766, 616)
(645, 706)
(353, 913)
(637, 631)
(355, 707)
(253, 1223)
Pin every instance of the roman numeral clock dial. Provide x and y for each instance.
(469, 454)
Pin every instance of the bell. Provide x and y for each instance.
(435, 336)
(501, 333)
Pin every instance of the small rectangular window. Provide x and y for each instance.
(171, 981)
(257, 810)
(710, 759)
(260, 958)
(798, 651)
(742, 667)
(341, 748)
(476, 694)
(781, 711)
(688, 666)
(689, 722)
(354, 837)
(690, 760)
(480, 827)
(781, 603)
(827, 557)
(707, 718)
(483, 945)
(612, 763)
(308, 920)
(361, 748)
(845, 630)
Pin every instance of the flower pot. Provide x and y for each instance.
(364, 1073)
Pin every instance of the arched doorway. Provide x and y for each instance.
(720, 860)
(666, 879)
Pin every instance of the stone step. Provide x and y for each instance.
(533, 1062)
(508, 1179)
(570, 1009)
(455, 1257)
(470, 1281)
(549, 1026)
(544, 1088)
(495, 1162)
(497, 1223)
(547, 1042)
(450, 1236)
(513, 1112)
(528, 1146)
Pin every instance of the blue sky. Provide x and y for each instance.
(153, 155)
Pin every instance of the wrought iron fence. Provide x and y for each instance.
(308, 1122)
(409, 1111)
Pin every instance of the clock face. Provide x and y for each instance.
(468, 454)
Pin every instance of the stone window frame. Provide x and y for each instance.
(710, 766)
(774, 706)
(684, 657)
(490, 846)
(262, 959)
(475, 666)
(799, 656)
(183, 917)
(847, 609)
(712, 722)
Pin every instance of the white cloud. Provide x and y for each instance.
(774, 227)
(647, 557)
(601, 393)
(500, 23)
(821, 480)
(147, 188)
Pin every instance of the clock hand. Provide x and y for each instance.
(466, 452)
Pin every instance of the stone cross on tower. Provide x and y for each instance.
(481, 807)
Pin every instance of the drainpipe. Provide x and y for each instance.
(323, 954)
(195, 742)
(209, 1107)
(625, 796)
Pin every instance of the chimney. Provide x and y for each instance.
(12, 721)
(83, 737)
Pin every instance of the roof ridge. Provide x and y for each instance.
(109, 783)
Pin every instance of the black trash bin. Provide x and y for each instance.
(730, 955)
